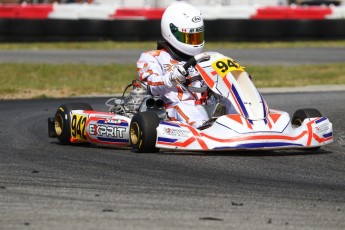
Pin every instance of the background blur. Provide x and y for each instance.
(139, 20)
(164, 3)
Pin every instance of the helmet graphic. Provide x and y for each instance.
(183, 27)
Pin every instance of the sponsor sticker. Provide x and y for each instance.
(115, 120)
(106, 130)
(322, 128)
(176, 132)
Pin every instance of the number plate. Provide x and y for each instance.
(225, 65)
(78, 125)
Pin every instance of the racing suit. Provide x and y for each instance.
(155, 68)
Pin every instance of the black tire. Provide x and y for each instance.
(62, 120)
(143, 132)
(302, 114)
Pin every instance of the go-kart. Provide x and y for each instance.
(140, 120)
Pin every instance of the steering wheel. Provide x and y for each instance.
(184, 71)
(197, 58)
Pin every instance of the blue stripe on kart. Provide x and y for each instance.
(320, 120)
(263, 105)
(168, 140)
(328, 135)
(113, 140)
(168, 123)
(239, 101)
(261, 145)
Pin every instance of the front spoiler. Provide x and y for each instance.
(313, 133)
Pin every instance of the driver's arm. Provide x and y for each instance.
(151, 71)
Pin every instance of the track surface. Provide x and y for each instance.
(281, 56)
(45, 185)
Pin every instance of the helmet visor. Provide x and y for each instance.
(188, 36)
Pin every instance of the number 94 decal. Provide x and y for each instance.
(225, 65)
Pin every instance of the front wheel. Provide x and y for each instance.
(62, 120)
(302, 114)
(143, 132)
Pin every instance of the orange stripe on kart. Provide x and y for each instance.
(197, 136)
(249, 125)
(235, 117)
(205, 76)
(269, 123)
(320, 140)
(275, 117)
(310, 132)
(227, 83)
(76, 140)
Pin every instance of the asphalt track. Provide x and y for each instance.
(259, 56)
(45, 185)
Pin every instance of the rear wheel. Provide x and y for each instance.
(62, 120)
(143, 132)
(302, 114)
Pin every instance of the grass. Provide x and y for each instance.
(51, 80)
(62, 80)
(301, 75)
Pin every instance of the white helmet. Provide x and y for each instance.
(183, 27)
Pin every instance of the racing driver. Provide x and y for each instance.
(182, 28)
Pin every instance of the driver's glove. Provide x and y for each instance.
(176, 76)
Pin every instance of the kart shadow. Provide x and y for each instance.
(94, 146)
(239, 153)
(252, 153)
